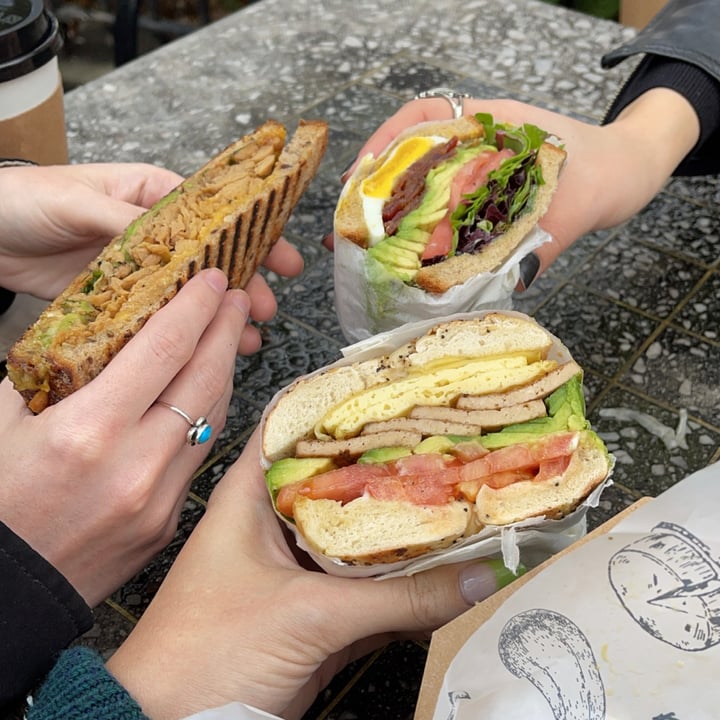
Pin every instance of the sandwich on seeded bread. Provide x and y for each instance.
(477, 423)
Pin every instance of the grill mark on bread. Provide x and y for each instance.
(216, 195)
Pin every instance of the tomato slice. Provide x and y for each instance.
(421, 464)
(440, 242)
(552, 468)
(472, 175)
(470, 488)
(342, 484)
(417, 489)
(469, 450)
(433, 478)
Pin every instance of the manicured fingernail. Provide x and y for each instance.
(482, 579)
(529, 267)
(344, 174)
(240, 300)
(216, 279)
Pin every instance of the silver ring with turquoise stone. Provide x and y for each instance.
(454, 97)
(200, 430)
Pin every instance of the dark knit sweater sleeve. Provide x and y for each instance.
(78, 688)
(40, 615)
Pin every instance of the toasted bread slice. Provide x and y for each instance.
(458, 269)
(367, 531)
(228, 215)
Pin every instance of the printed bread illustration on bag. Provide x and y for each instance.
(670, 585)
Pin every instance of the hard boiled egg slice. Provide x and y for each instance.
(377, 188)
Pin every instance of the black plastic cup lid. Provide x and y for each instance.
(29, 37)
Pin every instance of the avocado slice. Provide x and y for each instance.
(384, 455)
(291, 470)
(396, 259)
(441, 444)
(412, 246)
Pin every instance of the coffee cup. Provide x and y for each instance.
(32, 115)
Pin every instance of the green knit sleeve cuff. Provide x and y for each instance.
(79, 687)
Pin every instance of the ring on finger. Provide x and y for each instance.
(200, 430)
(455, 98)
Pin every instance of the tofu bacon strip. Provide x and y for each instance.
(538, 389)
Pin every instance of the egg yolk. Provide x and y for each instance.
(380, 183)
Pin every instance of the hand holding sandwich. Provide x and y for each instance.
(55, 219)
(96, 483)
(611, 172)
(238, 619)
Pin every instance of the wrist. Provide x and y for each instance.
(661, 127)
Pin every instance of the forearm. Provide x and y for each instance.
(681, 54)
(659, 128)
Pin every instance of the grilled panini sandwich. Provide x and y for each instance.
(229, 214)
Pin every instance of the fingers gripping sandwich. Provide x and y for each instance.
(449, 200)
(478, 423)
(229, 214)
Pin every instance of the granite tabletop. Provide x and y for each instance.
(636, 305)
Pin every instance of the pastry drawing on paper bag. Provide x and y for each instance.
(553, 653)
(670, 585)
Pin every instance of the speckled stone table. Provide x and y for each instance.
(638, 306)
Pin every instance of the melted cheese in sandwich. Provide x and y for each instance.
(376, 189)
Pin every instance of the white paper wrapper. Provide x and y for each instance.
(625, 626)
(530, 542)
(365, 308)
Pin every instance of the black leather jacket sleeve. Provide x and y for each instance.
(40, 615)
(682, 52)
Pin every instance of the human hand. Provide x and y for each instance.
(56, 219)
(96, 482)
(611, 171)
(283, 259)
(238, 619)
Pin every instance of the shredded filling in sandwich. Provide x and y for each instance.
(174, 228)
(228, 214)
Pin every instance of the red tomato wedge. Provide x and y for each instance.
(435, 479)
(343, 484)
(474, 174)
(470, 177)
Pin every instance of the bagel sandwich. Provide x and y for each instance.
(228, 214)
(449, 200)
(477, 424)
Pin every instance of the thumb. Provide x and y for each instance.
(425, 601)
(114, 217)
